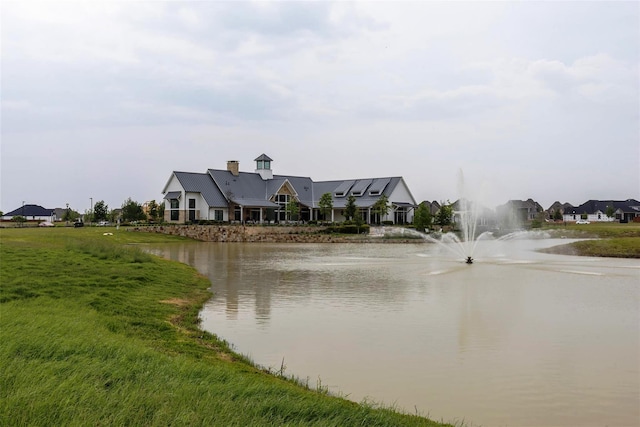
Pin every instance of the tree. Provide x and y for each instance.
(557, 215)
(422, 218)
(161, 212)
(350, 208)
(114, 215)
(70, 215)
(292, 210)
(326, 204)
(610, 212)
(445, 214)
(153, 208)
(381, 207)
(100, 211)
(19, 219)
(132, 211)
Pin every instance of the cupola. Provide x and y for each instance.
(263, 167)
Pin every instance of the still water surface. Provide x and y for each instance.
(519, 338)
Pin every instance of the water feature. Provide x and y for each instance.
(520, 338)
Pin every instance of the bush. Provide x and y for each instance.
(346, 228)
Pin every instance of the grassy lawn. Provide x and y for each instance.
(95, 332)
(613, 239)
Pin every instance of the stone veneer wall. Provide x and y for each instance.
(240, 233)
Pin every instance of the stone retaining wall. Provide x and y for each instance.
(275, 234)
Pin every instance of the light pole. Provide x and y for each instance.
(91, 211)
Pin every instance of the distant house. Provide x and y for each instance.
(519, 210)
(31, 213)
(433, 207)
(596, 211)
(481, 215)
(559, 207)
(261, 196)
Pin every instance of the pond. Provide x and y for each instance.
(518, 338)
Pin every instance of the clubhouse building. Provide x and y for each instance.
(229, 195)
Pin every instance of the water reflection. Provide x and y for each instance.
(518, 338)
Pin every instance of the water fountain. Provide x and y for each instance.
(466, 217)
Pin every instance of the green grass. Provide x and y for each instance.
(615, 240)
(95, 332)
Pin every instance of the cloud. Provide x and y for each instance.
(526, 94)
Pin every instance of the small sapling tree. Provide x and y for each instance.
(326, 205)
(350, 208)
(381, 207)
(422, 218)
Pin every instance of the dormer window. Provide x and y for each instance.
(263, 164)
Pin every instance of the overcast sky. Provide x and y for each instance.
(537, 100)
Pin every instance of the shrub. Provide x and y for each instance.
(346, 228)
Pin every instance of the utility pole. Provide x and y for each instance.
(91, 210)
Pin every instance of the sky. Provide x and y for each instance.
(102, 100)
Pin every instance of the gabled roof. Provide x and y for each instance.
(245, 189)
(560, 206)
(30, 210)
(203, 184)
(347, 186)
(263, 157)
(593, 206)
(219, 187)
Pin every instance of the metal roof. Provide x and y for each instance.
(171, 195)
(360, 186)
(203, 184)
(263, 157)
(219, 186)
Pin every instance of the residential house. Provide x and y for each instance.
(558, 207)
(515, 211)
(31, 213)
(433, 207)
(468, 210)
(598, 210)
(230, 195)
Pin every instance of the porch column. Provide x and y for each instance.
(261, 215)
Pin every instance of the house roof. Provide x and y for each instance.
(593, 206)
(219, 187)
(30, 210)
(346, 187)
(263, 157)
(203, 184)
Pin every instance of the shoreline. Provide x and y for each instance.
(599, 242)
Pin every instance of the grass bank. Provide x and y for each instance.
(95, 332)
(609, 239)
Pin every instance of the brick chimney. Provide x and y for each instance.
(233, 166)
